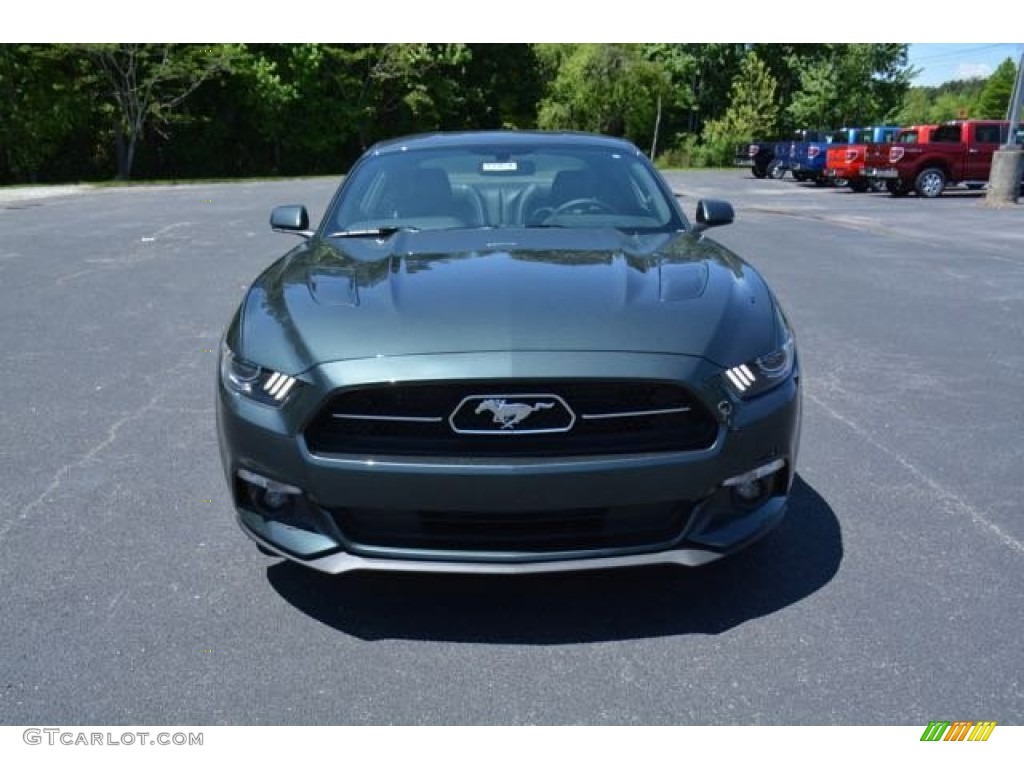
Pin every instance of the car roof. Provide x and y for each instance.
(485, 138)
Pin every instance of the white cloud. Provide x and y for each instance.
(967, 71)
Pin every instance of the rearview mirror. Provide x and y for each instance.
(714, 213)
(292, 219)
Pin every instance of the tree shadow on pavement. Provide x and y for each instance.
(792, 562)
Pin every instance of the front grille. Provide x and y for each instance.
(607, 417)
(642, 525)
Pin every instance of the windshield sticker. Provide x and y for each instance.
(506, 167)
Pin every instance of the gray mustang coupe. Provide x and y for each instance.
(507, 352)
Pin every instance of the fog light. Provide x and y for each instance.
(282, 514)
(275, 499)
(269, 496)
(749, 491)
(751, 488)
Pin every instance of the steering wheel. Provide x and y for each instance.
(583, 205)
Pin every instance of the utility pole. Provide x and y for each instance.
(1008, 161)
(657, 127)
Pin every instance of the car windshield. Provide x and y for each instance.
(501, 186)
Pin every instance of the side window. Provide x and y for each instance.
(986, 134)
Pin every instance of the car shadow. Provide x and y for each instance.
(947, 195)
(792, 562)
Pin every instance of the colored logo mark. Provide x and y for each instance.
(958, 730)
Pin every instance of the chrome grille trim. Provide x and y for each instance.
(628, 414)
(375, 417)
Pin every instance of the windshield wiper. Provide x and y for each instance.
(374, 232)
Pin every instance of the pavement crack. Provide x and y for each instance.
(61, 475)
(953, 502)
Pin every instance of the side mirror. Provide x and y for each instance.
(292, 219)
(713, 213)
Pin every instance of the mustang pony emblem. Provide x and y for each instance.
(510, 414)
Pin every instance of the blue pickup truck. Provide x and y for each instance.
(765, 158)
(808, 158)
(780, 154)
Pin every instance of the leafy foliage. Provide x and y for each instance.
(753, 111)
(851, 85)
(76, 111)
(994, 100)
(612, 89)
(43, 105)
(140, 85)
(954, 100)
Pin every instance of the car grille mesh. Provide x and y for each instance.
(611, 417)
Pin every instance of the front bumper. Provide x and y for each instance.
(269, 442)
(880, 173)
(842, 173)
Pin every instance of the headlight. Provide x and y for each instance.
(260, 384)
(764, 373)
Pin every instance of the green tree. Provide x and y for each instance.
(787, 62)
(994, 100)
(854, 84)
(753, 110)
(816, 104)
(502, 83)
(43, 105)
(916, 108)
(952, 105)
(934, 104)
(142, 84)
(312, 108)
(267, 94)
(604, 88)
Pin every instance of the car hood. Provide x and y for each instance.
(432, 292)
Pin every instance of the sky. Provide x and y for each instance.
(942, 62)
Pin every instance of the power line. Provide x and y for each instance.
(960, 52)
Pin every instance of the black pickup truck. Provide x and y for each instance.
(757, 156)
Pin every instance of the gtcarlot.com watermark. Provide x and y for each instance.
(69, 738)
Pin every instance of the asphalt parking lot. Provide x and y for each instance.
(892, 594)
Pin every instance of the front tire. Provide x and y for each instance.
(759, 173)
(930, 182)
(858, 185)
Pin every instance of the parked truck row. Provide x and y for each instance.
(925, 159)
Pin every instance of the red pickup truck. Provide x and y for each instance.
(849, 163)
(956, 152)
(845, 161)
